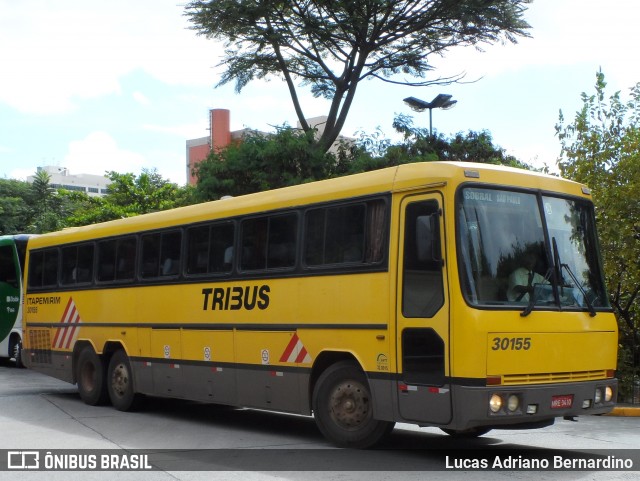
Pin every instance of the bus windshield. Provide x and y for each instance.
(527, 250)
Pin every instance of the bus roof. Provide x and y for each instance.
(399, 178)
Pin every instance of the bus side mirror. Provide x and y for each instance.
(428, 238)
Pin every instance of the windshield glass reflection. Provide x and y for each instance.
(514, 254)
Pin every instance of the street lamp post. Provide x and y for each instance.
(442, 101)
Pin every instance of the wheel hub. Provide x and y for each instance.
(349, 404)
(120, 380)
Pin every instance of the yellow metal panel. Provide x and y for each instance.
(208, 346)
(549, 352)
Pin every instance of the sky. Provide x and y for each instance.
(121, 86)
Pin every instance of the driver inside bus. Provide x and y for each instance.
(523, 279)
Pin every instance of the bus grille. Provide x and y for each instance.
(546, 378)
(40, 346)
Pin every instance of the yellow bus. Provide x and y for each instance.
(458, 295)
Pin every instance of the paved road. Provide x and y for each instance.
(41, 413)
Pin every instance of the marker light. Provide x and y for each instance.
(597, 398)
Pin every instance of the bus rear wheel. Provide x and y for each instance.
(91, 378)
(120, 383)
(343, 410)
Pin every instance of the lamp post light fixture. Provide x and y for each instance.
(442, 101)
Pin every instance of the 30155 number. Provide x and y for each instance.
(511, 344)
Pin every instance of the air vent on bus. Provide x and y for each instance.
(545, 378)
(40, 346)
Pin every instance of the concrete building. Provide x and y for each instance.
(61, 178)
(219, 137)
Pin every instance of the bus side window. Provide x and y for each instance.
(210, 249)
(106, 261)
(126, 259)
(150, 255)
(281, 249)
(254, 244)
(36, 264)
(8, 266)
(347, 234)
(422, 294)
(170, 253)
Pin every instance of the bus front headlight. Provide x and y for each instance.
(495, 403)
(608, 394)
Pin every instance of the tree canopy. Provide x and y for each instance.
(263, 162)
(332, 46)
(601, 148)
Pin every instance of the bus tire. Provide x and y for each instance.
(120, 383)
(16, 352)
(91, 377)
(343, 410)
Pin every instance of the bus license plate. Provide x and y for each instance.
(561, 402)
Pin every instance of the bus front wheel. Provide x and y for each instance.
(120, 383)
(343, 410)
(91, 378)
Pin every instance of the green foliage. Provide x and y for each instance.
(330, 47)
(601, 148)
(290, 157)
(39, 208)
(129, 195)
(262, 162)
(15, 212)
(46, 205)
(418, 145)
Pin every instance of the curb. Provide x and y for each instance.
(626, 411)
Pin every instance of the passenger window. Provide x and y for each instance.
(345, 234)
(210, 249)
(77, 264)
(269, 242)
(8, 266)
(161, 254)
(117, 259)
(43, 268)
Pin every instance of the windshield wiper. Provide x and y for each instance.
(559, 266)
(532, 297)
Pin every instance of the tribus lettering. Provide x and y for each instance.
(235, 298)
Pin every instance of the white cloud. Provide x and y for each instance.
(99, 151)
(141, 98)
(54, 56)
(187, 131)
(563, 33)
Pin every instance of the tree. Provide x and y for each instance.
(601, 148)
(262, 162)
(331, 47)
(129, 195)
(419, 145)
(15, 212)
(46, 205)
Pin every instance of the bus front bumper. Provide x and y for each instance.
(507, 407)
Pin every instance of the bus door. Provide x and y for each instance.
(422, 335)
